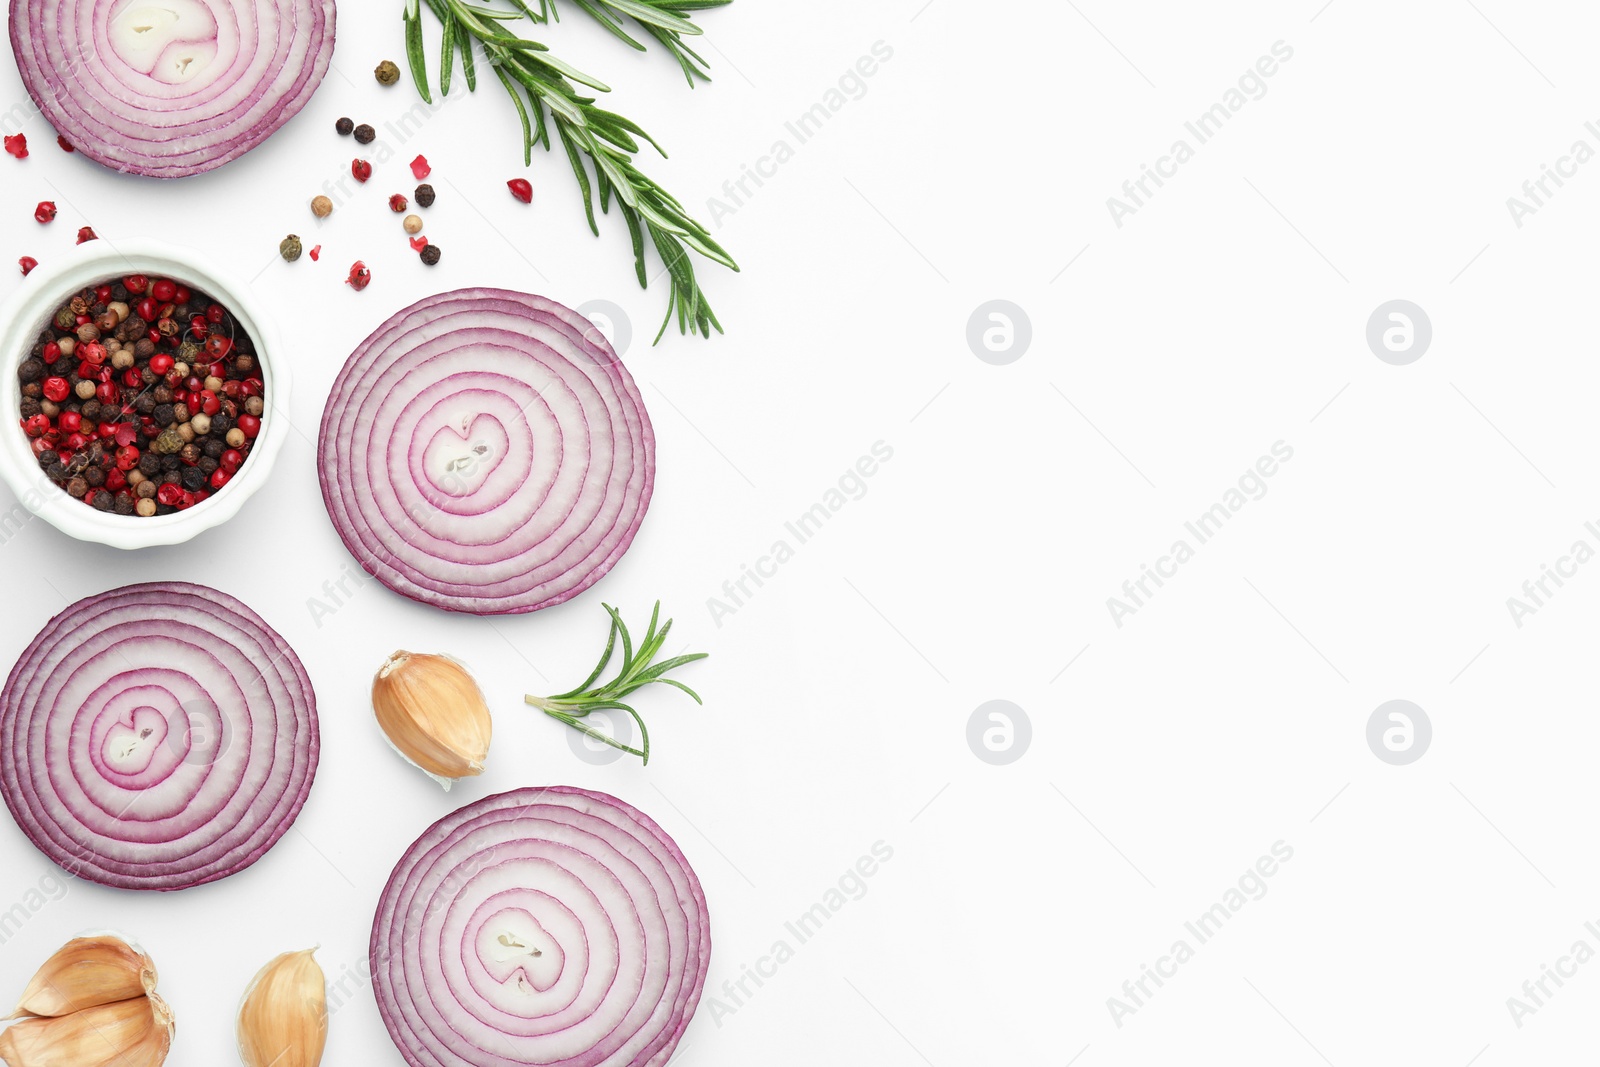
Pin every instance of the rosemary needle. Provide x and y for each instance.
(638, 670)
(545, 91)
(668, 21)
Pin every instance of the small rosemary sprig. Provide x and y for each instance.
(609, 141)
(638, 670)
(668, 21)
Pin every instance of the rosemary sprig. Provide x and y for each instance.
(638, 670)
(608, 141)
(668, 21)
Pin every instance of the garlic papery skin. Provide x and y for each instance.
(128, 1033)
(283, 1021)
(87, 972)
(433, 714)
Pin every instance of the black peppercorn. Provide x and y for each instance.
(207, 464)
(76, 487)
(190, 454)
(344, 126)
(214, 447)
(424, 195)
(150, 464)
(31, 370)
(165, 509)
(194, 479)
(94, 476)
(91, 410)
(170, 465)
(124, 503)
(430, 255)
(163, 413)
(365, 134)
(63, 367)
(144, 404)
(220, 425)
(104, 501)
(30, 407)
(48, 460)
(119, 293)
(57, 470)
(33, 389)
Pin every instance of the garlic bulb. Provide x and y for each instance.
(87, 972)
(283, 1021)
(128, 1033)
(434, 715)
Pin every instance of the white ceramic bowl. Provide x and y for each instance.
(25, 314)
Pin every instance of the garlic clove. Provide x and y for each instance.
(87, 972)
(283, 1021)
(434, 715)
(128, 1033)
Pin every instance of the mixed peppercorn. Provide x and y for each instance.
(361, 171)
(142, 397)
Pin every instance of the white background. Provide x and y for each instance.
(1228, 714)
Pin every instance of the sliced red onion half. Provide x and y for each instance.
(157, 737)
(486, 451)
(551, 926)
(168, 88)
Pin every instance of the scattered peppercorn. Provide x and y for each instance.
(344, 126)
(430, 255)
(365, 134)
(387, 73)
(321, 207)
(27, 263)
(419, 242)
(44, 212)
(359, 276)
(521, 189)
(17, 145)
(66, 145)
(289, 248)
(316, 253)
(360, 169)
(424, 195)
(397, 203)
(413, 224)
(87, 234)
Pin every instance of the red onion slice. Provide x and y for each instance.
(168, 88)
(486, 451)
(157, 737)
(553, 926)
